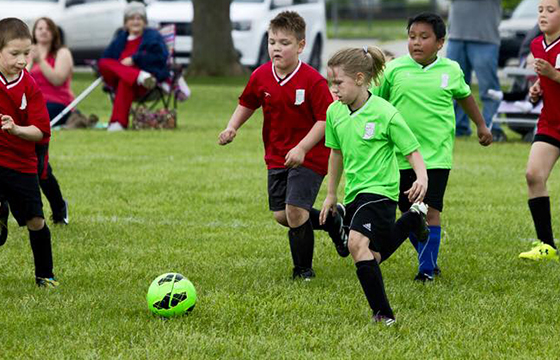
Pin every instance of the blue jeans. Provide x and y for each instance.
(483, 59)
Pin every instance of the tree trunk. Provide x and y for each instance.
(213, 53)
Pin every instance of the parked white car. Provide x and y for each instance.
(250, 19)
(87, 26)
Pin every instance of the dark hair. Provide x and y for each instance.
(438, 25)
(368, 60)
(11, 29)
(289, 21)
(56, 43)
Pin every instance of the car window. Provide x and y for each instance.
(249, 1)
(298, 2)
(526, 9)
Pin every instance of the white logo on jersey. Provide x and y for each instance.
(444, 80)
(300, 96)
(266, 94)
(367, 226)
(557, 66)
(369, 131)
(23, 103)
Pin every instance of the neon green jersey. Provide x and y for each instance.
(368, 139)
(424, 97)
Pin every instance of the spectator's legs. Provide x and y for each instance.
(484, 60)
(457, 50)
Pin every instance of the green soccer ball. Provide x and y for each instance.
(171, 294)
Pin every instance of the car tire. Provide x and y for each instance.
(316, 52)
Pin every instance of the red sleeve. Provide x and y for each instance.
(321, 98)
(250, 97)
(37, 113)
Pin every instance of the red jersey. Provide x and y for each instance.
(291, 107)
(22, 100)
(549, 120)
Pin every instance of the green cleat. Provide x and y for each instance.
(46, 282)
(540, 251)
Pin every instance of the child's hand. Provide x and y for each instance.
(535, 92)
(544, 68)
(227, 136)
(127, 61)
(484, 135)
(329, 205)
(417, 191)
(8, 124)
(295, 157)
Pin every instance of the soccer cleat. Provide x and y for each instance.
(385, 320)
(338, 234)
(4, 213)
(62, 216)
(540, 251)
(303, 273)
(423, 277)
(46, 282)
(423, 232)
(437, 271)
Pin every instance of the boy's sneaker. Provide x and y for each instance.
(540, 251)
(423, 277)
(437, 271)
(61, 217)
(338, 234)
(423, 232)
(303, 273)
(46, 282)
(385, 320)
(4, 213)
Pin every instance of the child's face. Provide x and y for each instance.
(549, 17)
(43, 34)
(13, 56)
(284, 49)
(422, 43)
(344, 87)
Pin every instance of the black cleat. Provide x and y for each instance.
(46, 282)
(306, 274)
(437, 271)
(4, 213)
(422, 277)
(338, 234)
(61, 217)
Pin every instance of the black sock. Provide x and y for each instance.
(407, 223)
(371, 280)
(42, 253)
(302, 242)
(314, 217)
(52, 192)
(540, 211)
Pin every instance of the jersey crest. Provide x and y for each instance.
(23, 105)
(369, 131)
(300, 96)
(444, 81)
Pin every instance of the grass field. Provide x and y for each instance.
(145, 203)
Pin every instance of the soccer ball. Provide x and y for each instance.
(171, 294)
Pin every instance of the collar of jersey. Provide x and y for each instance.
(546, 47)
(425, 68)
(357, 112)
(10, 84)
(285, 80)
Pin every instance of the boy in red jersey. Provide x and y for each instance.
(294, 98)
(546, 146)
(25, 121)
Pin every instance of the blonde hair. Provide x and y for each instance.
(368, 60)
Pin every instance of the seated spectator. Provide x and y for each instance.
(133, 63)
(51, 66)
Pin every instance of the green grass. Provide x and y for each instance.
(147, 202)
(378, 29)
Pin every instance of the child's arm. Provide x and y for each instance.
(296, 156)
(544, 68)
(535, 92)
(418, 189)
(334, 175)
(30, 133)
(471, 109)
(239, 117)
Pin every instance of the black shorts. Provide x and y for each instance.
(437, 183)
(23, 194)
(547, 139)
(373, 216)
(294, 186)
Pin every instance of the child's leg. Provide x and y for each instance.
(302, 239)
(47, 181)
(40, 239)
(542, 158)
(334, 227)
(428, 251)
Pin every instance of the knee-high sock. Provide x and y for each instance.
(42, 253)
(314, 217)
(302, 241)
(414, 241)
(52, 192)
(540, 211)
(428, 252)
(400, 231)
(371, 280)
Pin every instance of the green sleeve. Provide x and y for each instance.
(331, 140)
(383, 90)
(401, 135)
(460, 88)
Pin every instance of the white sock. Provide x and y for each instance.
(496, 95)
(142, 76)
